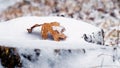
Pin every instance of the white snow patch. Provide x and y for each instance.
(15, 31)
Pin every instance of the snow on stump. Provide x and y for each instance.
(22, 49)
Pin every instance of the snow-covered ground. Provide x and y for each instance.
(74, 52)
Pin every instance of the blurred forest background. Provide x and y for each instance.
(104, 14)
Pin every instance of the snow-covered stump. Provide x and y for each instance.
(28, 50)
(75, 29)
(19, 57)
(84, 56)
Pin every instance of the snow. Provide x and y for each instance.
(95, 12)
(13, 33)
(95, 57)
(16, 30)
